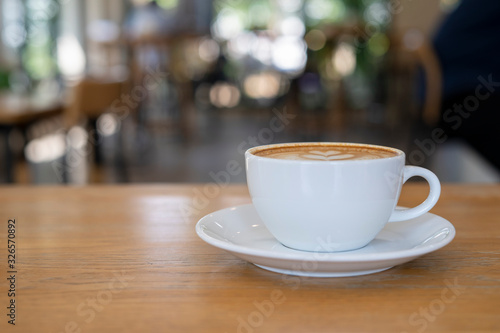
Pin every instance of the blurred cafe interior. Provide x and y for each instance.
(115, 91)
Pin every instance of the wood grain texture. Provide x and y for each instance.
(127, 259)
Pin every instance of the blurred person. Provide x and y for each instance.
(468, 48)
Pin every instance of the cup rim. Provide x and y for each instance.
(251, 151)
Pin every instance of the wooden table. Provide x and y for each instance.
(18, 109)
(127, 259)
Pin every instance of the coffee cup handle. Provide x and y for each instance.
(424, 207)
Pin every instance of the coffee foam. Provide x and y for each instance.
(325, 152)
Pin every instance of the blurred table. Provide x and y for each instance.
(20, 111)
(127, 259)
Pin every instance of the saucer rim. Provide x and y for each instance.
(326, 257)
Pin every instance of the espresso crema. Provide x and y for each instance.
(324, 152)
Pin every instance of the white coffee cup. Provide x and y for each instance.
(331, 198)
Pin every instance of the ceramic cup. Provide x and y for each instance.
(328, 197)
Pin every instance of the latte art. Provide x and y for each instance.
(330, 155)
(321, 152)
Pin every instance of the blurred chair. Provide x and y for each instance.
(158, 64)
(91, 99)
(413, 52)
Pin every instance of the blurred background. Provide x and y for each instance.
(176, 90)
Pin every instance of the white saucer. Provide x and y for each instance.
(240, 231)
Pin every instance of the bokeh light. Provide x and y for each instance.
(259, 14)
(241, 45)
(108, 124)
(292, 26)
(315, 39)
(46, 149)
(377, 13)
(224, 95)
(262, 48)
(70, 57)
(265, 85)
(378, 45)
(325, 10)
(229, 24)
(167, 4)
(208, 50)
(290, 6)
(344, 59)
(289, 54)
(77, 137)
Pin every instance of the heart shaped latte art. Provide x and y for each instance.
(330, 155)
